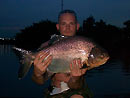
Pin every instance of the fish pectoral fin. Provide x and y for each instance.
(84, 66)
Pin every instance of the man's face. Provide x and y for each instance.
(67, 24)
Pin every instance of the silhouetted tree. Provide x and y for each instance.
(88, 26)
(31, 37)
(100, 31)
(127, 29)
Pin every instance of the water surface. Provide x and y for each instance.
(111, 80)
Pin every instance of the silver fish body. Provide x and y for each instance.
(64, 51)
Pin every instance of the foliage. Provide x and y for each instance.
(33, 36)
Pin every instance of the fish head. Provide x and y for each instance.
(98, 56)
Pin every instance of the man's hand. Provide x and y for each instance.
(41, 62)
(76, 66)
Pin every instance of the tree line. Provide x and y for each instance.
(107, 35)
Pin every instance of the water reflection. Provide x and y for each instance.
(5, 49)
(123, 55)
(109, 81)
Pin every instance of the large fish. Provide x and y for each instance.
(63, 52)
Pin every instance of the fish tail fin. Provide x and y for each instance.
(25, 59)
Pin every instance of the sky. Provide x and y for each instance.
(17, 14)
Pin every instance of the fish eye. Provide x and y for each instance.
(92, 55)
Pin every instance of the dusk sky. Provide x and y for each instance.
(17, 14)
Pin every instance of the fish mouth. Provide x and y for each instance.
(107, 58)
(103, 61)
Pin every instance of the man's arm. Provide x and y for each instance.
(77, 80)
(40, 79)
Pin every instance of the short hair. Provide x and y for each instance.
(67, 11)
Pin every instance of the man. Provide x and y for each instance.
(67, 26)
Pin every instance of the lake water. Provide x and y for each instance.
(111, 80)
